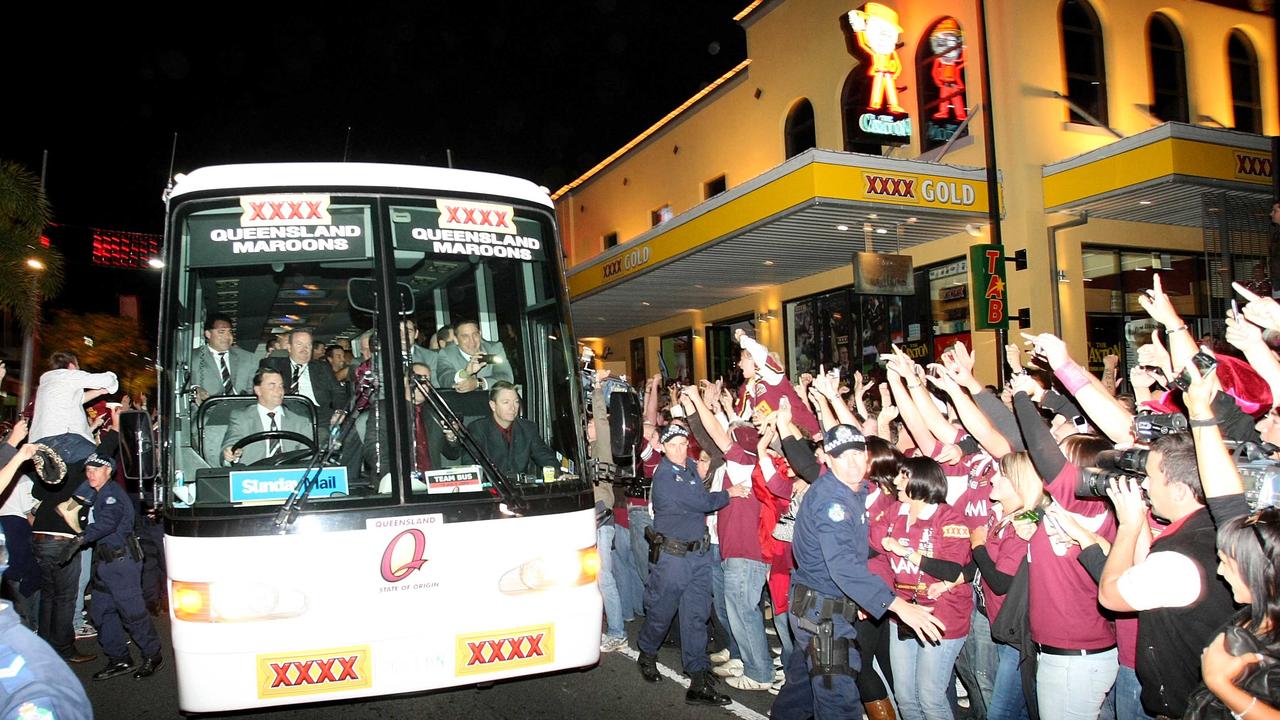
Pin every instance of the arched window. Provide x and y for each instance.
(1246, 97)
(800, 132)
(940, 59)
(1168, 70)
(853, 104)
(1083, 60)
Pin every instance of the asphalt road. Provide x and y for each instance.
(613, 689)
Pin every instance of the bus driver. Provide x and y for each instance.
(514, 444)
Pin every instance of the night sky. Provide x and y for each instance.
(541, 90)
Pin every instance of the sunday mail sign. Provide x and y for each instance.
(274, 486)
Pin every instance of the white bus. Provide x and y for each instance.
(302, 579)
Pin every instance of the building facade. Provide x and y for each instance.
(1130, 139)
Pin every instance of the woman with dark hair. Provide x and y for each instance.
(927, 541)
(884, 464)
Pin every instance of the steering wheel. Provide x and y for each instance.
(282, 458)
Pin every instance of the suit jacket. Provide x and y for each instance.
(450, 361)
(330, 394)
(428, 357)
(527, 452)
(246, 421)
(206, 373)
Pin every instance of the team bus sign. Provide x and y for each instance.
(466, 228)
(281, 227)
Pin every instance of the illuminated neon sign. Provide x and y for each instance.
(942, 98)
(876, 29)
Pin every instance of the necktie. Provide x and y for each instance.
(293, 384)
(422, 458)
(227, 386)
(273, 446)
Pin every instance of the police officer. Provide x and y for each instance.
(117, 574)
(34, 681)
(681, 576)
(830, 548)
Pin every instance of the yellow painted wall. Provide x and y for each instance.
(798, 50)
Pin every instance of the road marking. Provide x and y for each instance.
(734, 707)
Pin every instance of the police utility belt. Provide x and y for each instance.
(679, 548)
(106, 554)
(827, 654)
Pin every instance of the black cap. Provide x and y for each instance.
(100, 460)
(841, 438)
(674, 431)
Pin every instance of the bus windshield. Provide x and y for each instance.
(274, 362)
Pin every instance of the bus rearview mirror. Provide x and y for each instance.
(362, 293)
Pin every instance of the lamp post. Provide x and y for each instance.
(29, 336)
(993, 172)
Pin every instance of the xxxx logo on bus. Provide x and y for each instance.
(460, 215)
(292, 209)
(315, 671)
(505, 649)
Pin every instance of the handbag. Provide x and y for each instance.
(1012, 626)
(1261, 679)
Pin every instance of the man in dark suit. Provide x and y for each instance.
(514, 444)
(266, 414)
(460, 366)
(221, 367)
(313, 379)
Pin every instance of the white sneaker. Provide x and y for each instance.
(730, 669)
(771, 630)
(720, 657)
(742, 682)
(85, 632)
(779, 675)
(610, 643)
(776, 688)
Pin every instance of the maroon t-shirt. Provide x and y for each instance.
(1007, 551)
(881, 510)
(943, 535)
(738, 523)
(1063, 597)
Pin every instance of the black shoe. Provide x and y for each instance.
(649, 667)
(149, 667)
(114, 668)
(702, 691)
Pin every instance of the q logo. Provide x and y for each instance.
(400, 559)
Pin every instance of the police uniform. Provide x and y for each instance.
(680, 579)
(830, 548)
(117, 581)
(35, 684)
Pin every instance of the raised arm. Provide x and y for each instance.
(902, 379)
(1158, 305)
(1248, 338)
(717, 433)
(1103, 410)
(974, 420)
(1044, 451)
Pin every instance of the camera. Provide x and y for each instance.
(1259, 473)
(1150, 426)
(488, 358)
(1112, 465)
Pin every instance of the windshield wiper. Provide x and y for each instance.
(511, 495)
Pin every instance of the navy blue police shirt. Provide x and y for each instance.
(681, 503)
(112, 517)
(35, 684)
(830, 546)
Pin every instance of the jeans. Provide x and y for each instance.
(639, 519)
(58, 585)
(69, 446)
(976, 665)
(1008, 702)
(1127, 695)
(717, 599)
(743, 580)
(1073, 687)
(782, 623)
(630, 586)
(922, 673)
(86, 573)
(609, 586)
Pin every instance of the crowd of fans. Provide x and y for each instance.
(1083, 551)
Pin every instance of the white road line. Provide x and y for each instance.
(734, 707)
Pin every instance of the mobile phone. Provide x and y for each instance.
(1235, 308)
(1203, 361)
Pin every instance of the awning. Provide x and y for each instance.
(1159, 175)
(781, 226)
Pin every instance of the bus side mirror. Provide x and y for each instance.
(137, 445)
(362, 293)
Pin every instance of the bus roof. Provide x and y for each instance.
(355, 175)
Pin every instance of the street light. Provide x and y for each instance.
(35, 264)
(156, 263)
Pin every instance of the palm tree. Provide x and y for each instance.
(24, 213)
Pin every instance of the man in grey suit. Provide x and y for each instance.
(473, 363)
(221, 367)
(267, 414)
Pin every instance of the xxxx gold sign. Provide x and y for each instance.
(315, 671)
(499, 650)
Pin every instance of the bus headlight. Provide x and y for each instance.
(565, 568)
(234, 601)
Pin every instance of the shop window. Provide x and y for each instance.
(940, 59)
(1246, 98)
(676, 357)
(1168, 70)
(610, 240)
(660, 215)
(1083, 60)
(822, 331)
(723, 350)
(713, 187)
(639, 368)
(800, 131)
